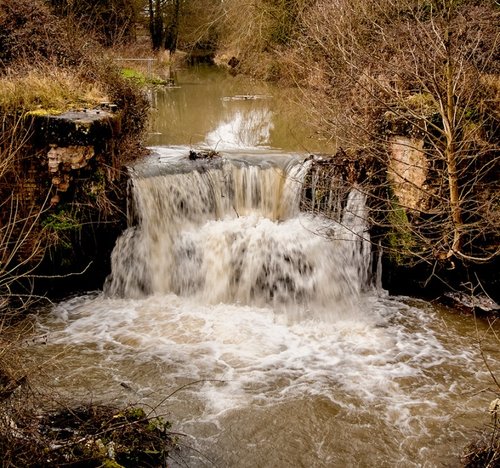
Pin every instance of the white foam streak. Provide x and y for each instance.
(256, 354)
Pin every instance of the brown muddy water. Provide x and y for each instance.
(282, 349)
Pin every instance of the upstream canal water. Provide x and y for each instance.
(256, 328)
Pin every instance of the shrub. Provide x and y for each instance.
(30, 33)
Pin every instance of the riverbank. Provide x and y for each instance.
(69, 122)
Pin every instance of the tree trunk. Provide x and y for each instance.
(451, 154)
(172, 32)
(155, 24)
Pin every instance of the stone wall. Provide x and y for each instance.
(407, 172)
(70, 180)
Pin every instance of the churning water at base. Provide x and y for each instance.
(396, 384)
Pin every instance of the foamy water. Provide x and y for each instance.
(231, 232)
(393, 369)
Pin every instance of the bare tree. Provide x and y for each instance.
(259, 32)
(192, 26)
(111, 21)
(415, 85)
(172, 27)
(22, 240)
(156, 25)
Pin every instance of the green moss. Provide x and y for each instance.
(134, 75)
(108, 463)
(400, 238)
(60, 227)
(471, 113)
(158, 81)
(135, 414)
(159, 424)
(61, 221)
(142, 80)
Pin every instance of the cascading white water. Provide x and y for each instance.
(233, 233)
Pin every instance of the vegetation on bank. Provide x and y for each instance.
(89, 435)
(49, 66)
(32, 91)
(49, 62)
(422, 70)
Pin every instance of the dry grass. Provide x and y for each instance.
(53, 90)
(140, 48)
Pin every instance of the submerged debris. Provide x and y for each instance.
(479, 303)
(247, 97)
(484, 452)
(203, 154)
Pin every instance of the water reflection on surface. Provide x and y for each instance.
(211, 108)
(245, 129)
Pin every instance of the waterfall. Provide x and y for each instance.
(233, 233)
